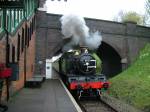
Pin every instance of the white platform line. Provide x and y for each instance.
(71, 97)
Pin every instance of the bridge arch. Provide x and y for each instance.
(111, 60)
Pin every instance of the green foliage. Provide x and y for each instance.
(98, 63)
(132, 17)
(133, 85)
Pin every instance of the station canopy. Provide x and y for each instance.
(12, 4)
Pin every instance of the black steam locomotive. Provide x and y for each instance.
(78, 68)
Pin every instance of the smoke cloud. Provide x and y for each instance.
(75, 29)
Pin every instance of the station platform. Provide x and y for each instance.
(51, 97)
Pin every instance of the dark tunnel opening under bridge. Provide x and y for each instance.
(111, 60)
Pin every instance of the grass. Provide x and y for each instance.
(133, 85)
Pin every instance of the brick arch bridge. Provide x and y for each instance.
(126, 39)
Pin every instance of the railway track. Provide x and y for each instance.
(95, 106)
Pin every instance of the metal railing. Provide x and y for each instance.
(11, 17)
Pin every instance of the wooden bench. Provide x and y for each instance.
(34, 82)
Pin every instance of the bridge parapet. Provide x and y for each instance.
(116, 28)
(106, 27)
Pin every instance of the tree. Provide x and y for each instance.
(147, 7)
(130, 17)
(147, 15)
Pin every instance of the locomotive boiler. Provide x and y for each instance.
(80, 71)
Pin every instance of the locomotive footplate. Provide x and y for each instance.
(87, 78)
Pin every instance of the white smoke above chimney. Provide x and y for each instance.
(74, 28)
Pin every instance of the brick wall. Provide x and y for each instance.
(3, 60)
(42, 2)
(18, 42)
(48, 40)
(2, 51)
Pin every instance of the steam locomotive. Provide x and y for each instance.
(79, 70)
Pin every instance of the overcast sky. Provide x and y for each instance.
(100, 9)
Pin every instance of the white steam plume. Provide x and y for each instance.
(74, 27)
